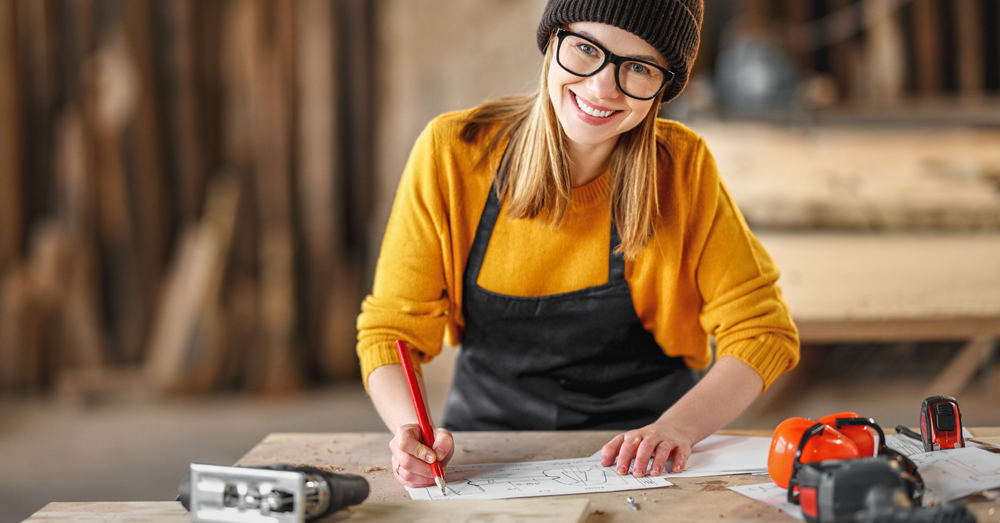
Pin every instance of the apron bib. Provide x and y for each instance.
(577, 360)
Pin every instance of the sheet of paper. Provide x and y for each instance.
(772, 495)
(908, 446)
(721, 456)
(533, 478)
(956, 473)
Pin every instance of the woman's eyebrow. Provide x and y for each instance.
(644, 57)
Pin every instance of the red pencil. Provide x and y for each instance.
(418, 406)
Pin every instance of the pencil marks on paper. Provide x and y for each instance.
(534, 478)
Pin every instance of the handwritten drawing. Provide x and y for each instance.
(537, 478)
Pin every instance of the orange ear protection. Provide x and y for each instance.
(801, 440)
(861, 434)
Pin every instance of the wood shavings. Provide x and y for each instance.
(370, 469)
(466, 449)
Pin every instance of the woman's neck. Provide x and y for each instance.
(587, 162)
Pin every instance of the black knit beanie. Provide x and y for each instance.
(672, 27)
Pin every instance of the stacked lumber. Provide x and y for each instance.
(174, 195)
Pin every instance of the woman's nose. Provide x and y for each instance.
(603, 83)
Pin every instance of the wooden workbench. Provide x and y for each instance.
(366, 454)
(890, 286)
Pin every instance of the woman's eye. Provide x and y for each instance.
(587, 49)
(637, 68)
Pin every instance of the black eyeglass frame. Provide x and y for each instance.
(609, 57)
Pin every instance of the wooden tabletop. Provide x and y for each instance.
(366, 454)
(690, 499)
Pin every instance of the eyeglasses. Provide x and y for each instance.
(638, 79)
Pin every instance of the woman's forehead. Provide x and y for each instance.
(619, 41)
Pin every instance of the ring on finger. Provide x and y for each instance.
(397, 468)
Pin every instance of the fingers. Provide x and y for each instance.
(411, 458)
(610, 450)
(681, 455)
(444, 445)
(656, 443)
(660, 457)
(628, 449)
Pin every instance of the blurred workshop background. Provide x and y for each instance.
(193, 192)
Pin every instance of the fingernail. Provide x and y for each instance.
(429, 458)
(654, 471)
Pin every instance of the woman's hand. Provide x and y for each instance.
(658, 440)
(411, 459)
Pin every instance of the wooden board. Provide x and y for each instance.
(859, 178)
(537, 510)
(889, 286)
(512, 511)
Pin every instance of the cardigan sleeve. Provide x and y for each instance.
(408, 299)
(742, 303)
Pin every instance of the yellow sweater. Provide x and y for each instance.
(703, 273)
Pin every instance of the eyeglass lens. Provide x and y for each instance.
(636, 79)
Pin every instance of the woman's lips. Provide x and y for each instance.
(601, 114)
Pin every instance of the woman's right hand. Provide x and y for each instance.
(411, 459)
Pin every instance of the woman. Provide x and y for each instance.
(581, 251)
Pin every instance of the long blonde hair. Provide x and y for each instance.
(538, 179)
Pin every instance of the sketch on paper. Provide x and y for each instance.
(956, 473)
(533, 478)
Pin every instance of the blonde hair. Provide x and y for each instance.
(538, 169)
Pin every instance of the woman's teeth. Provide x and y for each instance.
(590, 110)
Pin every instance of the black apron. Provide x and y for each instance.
(577, 360)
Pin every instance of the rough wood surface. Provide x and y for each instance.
(514, 511)
(860, 178)
(906, 286)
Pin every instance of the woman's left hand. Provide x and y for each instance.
(657, 440)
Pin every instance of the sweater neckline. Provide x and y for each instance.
(591, 193)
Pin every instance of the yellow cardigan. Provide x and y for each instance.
(703, 273)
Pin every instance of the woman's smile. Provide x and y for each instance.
(591, 109)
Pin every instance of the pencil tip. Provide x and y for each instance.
(440, 484)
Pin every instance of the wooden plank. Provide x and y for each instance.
(317, 183)
(960, 370)
(116, 93)
(890, 280)
(927, 46)
(565, 510)
(884, 55)
(186, 342)
(192, 169)
(846, 60)
(551, 510)
(861, 178)
(971, 54)
(278, 367)
(10, 136)
(149, 187)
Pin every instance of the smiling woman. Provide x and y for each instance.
(581, 251)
